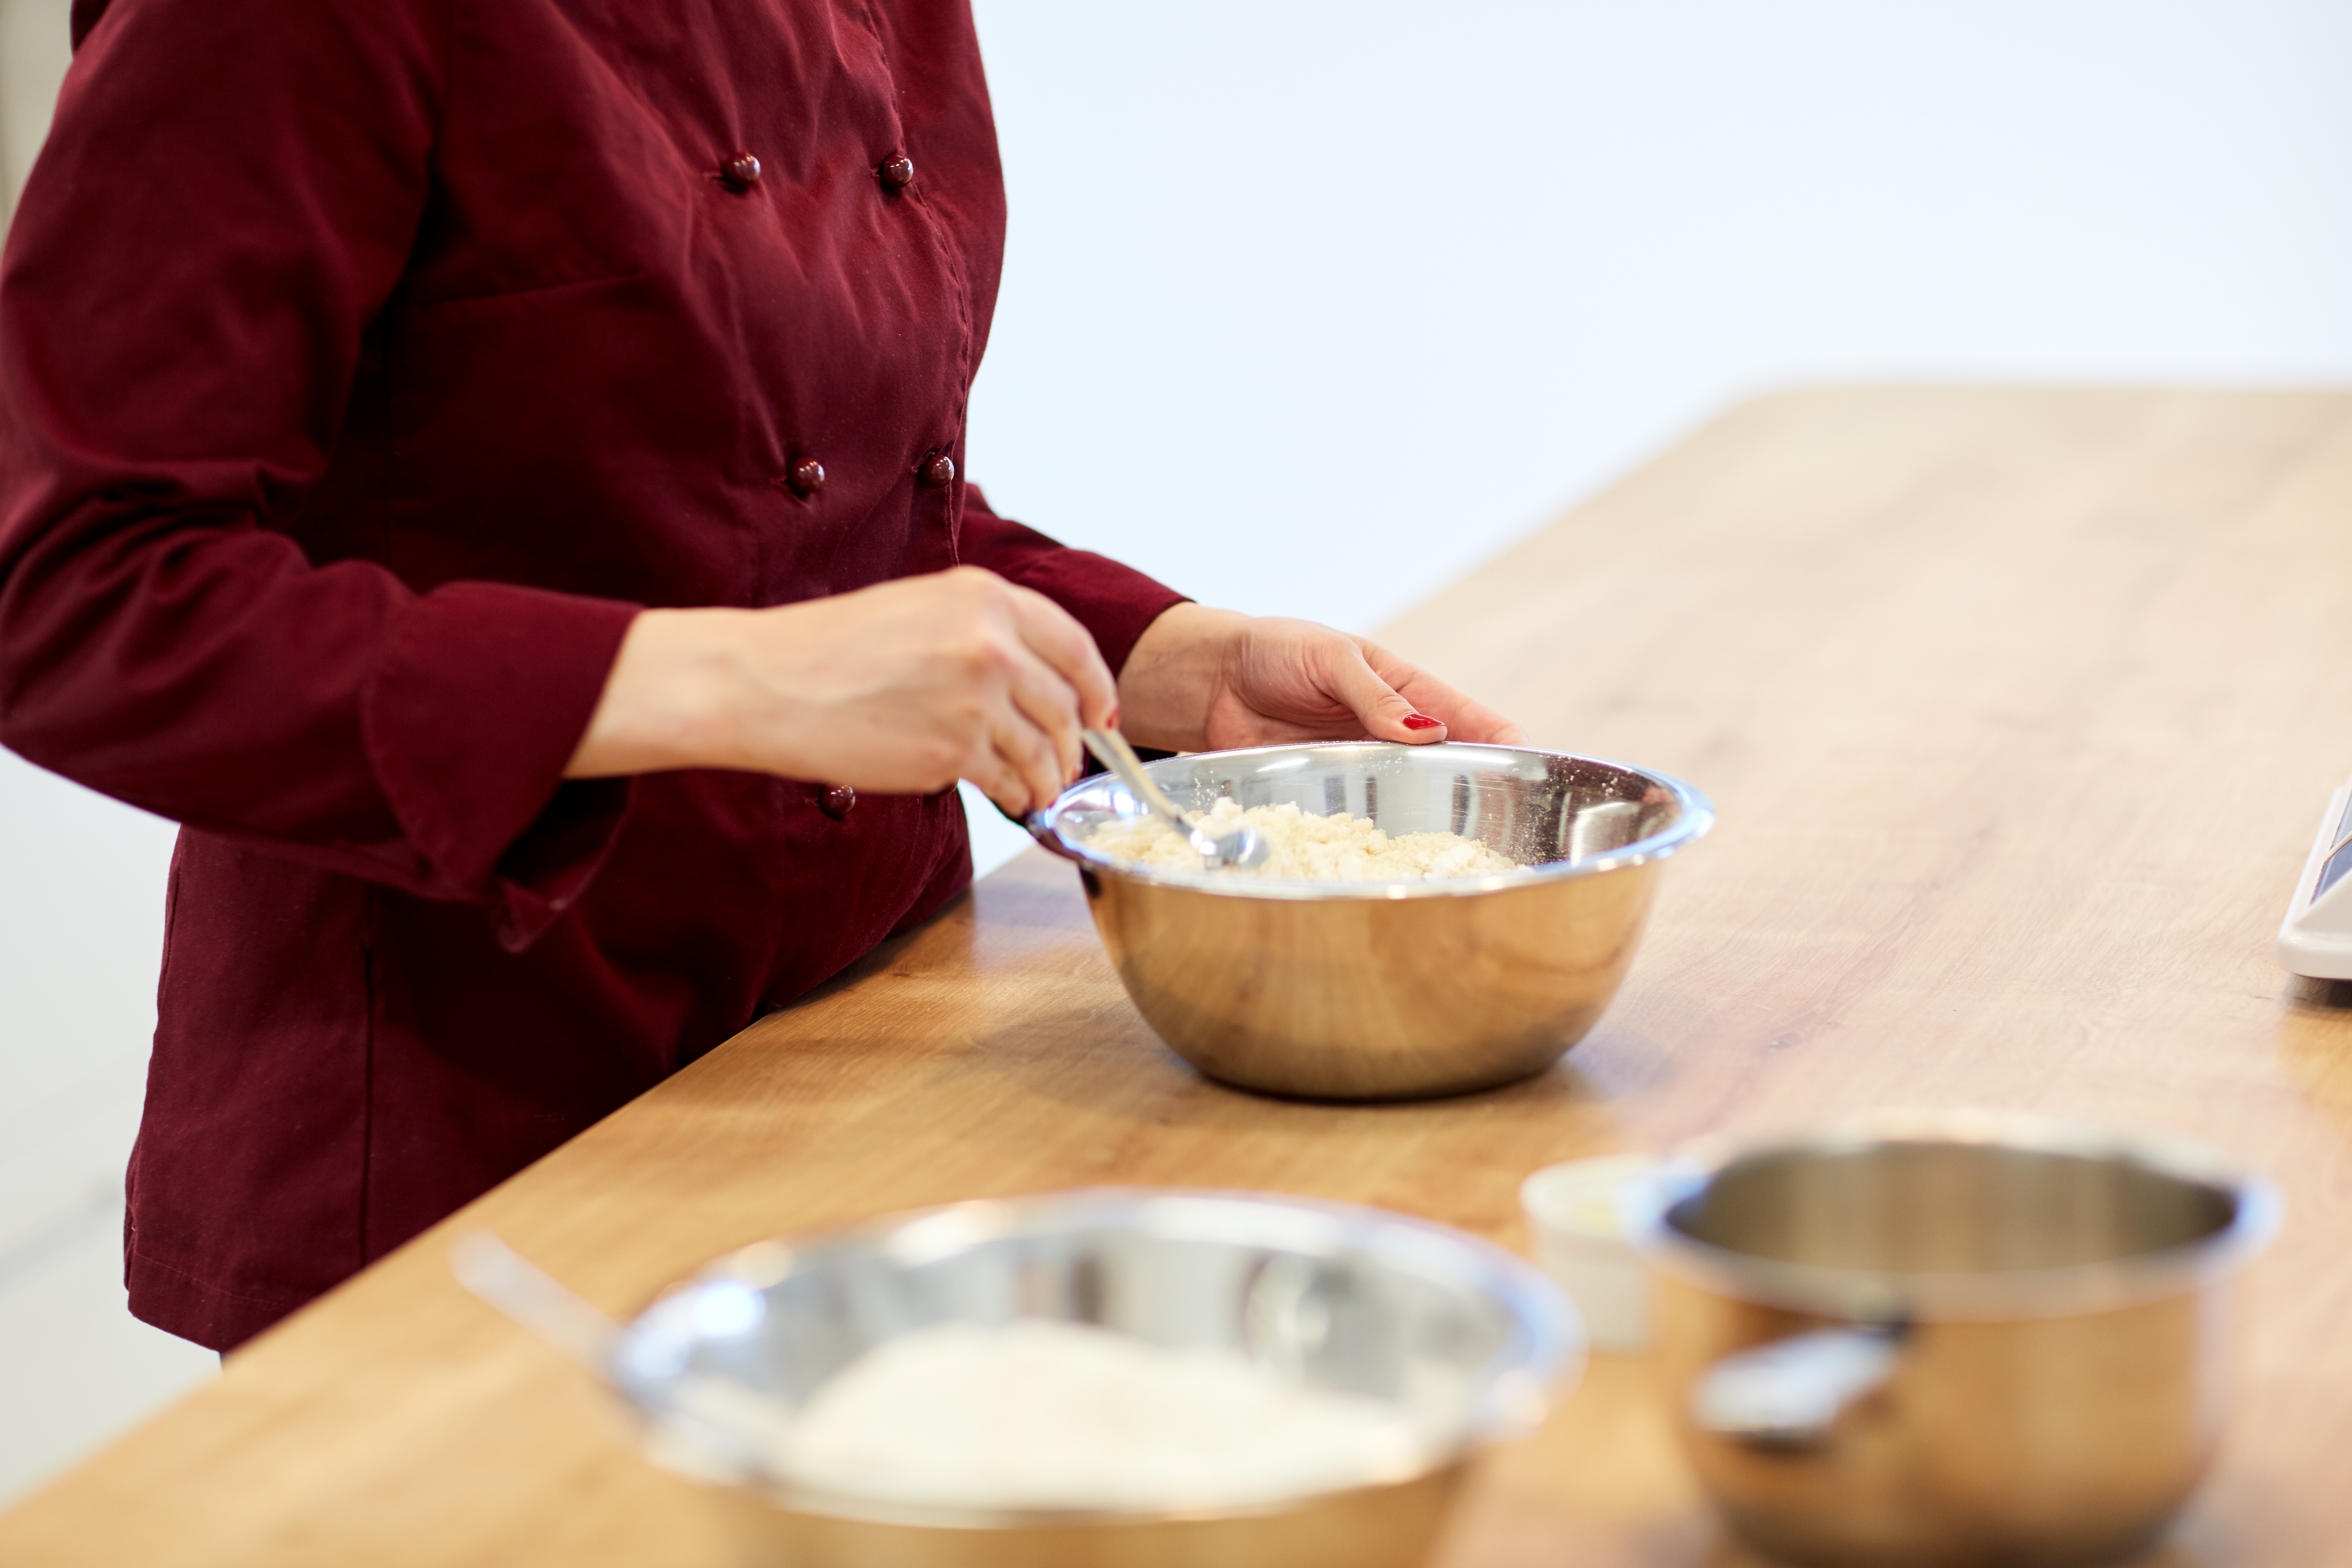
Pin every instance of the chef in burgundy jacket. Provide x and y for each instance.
(492, 469)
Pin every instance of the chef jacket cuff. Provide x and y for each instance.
(1114, 603)
(482, 695)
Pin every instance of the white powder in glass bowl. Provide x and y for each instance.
(1037, 1413)
(1340, 848)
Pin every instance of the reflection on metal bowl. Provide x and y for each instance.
(1353, 1299)
(1387, 990)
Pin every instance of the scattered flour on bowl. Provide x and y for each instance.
(1047, 1414)
(1319, 848)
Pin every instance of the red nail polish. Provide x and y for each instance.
(1423, 721)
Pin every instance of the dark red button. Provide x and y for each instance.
(807, 476)
(938, 471)
(835, 800)
(897, 171)
(740, 172)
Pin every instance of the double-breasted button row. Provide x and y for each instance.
(741, 172)
(807, 476)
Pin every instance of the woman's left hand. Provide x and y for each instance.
(1203, 679)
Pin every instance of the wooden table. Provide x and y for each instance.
(2019, 709)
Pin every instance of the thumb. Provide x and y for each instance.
(1385, 714)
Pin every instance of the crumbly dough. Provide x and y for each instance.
(1318, 848)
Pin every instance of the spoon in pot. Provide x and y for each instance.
(1240, 849)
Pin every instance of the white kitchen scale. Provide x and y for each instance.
(2317, 938)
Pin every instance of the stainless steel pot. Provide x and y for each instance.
(1951, 1341)
(1387, 990)
(1460, 1333)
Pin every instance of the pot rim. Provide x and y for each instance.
(1695, 816)
(1894, 1296)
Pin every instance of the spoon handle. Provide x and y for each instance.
(502, 1277)
(1115, 754)
(746, 1433)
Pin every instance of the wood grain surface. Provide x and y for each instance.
(2019, 709)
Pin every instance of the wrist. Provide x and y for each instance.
(673, 697)
(1175, 672)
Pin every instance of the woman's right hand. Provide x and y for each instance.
(900, 689)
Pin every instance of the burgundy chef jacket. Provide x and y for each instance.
(363, 365)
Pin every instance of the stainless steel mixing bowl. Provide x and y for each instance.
(1358, 1299)
(1960, 1341)
(1387, 990)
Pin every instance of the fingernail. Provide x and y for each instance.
(1423, 721)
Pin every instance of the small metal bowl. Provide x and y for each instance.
(1466, 1336)
(1387, 990)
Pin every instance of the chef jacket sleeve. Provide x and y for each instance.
(226, 199)
(1114, 603)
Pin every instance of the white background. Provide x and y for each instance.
(1308, 307)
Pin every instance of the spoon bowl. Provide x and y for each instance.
(1243, 850)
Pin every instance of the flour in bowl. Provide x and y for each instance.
(1045, 1414)
(1319, 848)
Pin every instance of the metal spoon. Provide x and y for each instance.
(738, 1428)
(1240, 849)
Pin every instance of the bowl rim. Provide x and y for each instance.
(1692, 821)
(1536, 1367)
